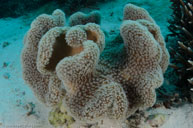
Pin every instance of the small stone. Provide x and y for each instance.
(26, 107)
(156, 120)
(185, 99)
(5, 44)
(176, 100)
(111, 14)
(158, 105)
(5, 64)
(176, 95)
(23, 93)
(31, 107)
(6, 75)
(180, 100)
(112, 32)
(173, 99)
(16, 89)
(167, 104)
(18, 103)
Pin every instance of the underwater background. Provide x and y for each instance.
(18, 105)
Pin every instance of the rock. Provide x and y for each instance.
(30, 108)
(6, 75)
(156, 120)
(5, 64)
(5, 44)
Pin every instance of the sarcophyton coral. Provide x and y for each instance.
(99, 82)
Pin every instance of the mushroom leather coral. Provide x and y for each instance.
(104, 82)
(89, 94)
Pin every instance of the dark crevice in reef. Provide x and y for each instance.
(61, 50)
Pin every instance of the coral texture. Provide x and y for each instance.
(135, 13)
(137, 64)
(89, 94)
(42, 85)
(80, 18)
(100, 82)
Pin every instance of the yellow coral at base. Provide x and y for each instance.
(59, 117)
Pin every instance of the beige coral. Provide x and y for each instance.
(138, 64)
(100, 82)
(89, 94)
(132, 12)
(137, 68)
(80, 33)
(51, 50)
(37, 81)
(138, 73)
(77, 72)
(80, 18)
(76, 36)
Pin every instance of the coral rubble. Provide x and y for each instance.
(70, 64)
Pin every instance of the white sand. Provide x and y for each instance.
(181, 117)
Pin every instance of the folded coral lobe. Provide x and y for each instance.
(37, 81)
(147, 57)
(132, 12)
